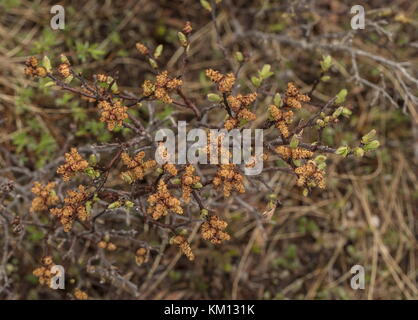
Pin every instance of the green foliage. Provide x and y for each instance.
(278, 102)
(213, 97)
(84, 50)
(294, 142)
(343, 151)
(35, 234)
(10, 4)
(36, 141)
(239, 56)
(205, 4)
(167, 112)
(326, 63)
(158, 51)
(115, 37)
(289, 260)
(306, 225)
(46, 41)
(276, 27)
(263, 74)
(94, 128)
(341, 96)
(23, 99)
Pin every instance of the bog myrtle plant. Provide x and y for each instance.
(142, 174)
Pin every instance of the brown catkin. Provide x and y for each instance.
(184, 247)
(213, 230)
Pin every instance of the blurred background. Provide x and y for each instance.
(367, 215)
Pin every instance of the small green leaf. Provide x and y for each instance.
(337, 112)
(372, 145)
(265, 72)
(176, 181)
(368, 137)
(88, 206)
(256, 81)
(182, 38)
(205, 4)
(346, 112)
(294, 142)
(158, 51)
(320, 123)
(278, 100)
(322, 165)
(114, 205)
(204, 213)
(129, 204)
(93, 159)
(49, 84)
(198, 185)
(90, 172)
(213, 97)
(68, 79)
(359, 152)
(320, 159)
(153, 63)
(297, 162)
(341, 96)
(127, 177)
(326, 63)
(64, 59)
(46, 63)
(342, 151)
(114, 88)
(239, 56)
(242, 122)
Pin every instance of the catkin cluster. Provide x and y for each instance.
(309, 175)
(287, 153)
(142, 48)
(239, 105)
(228, 176)
(282, 119)
(224, 82)
(107, 245)
(170, 169)
(161, 87)
(102, 78)
(294, 98)
(213, 230)
(162, 202)
(33, 69)
(137, 166)
(74, 208)
(64, 70)
(215, 146)
(74, 163)
(80, 295)
(112, 113)
(45, 196)
(187, 181)
(44, 272)
(281, 115)
(141, 256)
(184, 246)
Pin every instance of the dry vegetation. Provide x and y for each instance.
(280, 243)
